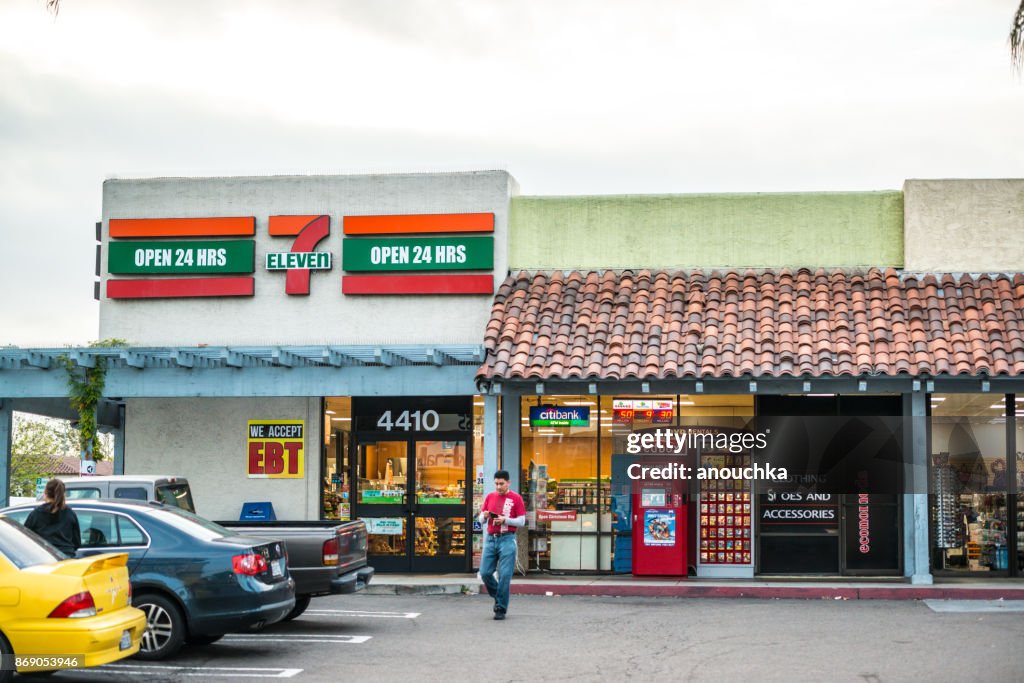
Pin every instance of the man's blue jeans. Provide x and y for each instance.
(499, 553)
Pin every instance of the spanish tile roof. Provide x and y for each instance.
(767, 323)
(71, 464)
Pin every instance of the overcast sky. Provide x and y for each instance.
(569, 96)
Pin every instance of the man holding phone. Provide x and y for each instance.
(502, 513)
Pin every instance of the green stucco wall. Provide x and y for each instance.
(828, 229)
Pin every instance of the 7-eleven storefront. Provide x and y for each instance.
(310, 342)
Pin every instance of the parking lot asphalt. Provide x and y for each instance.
(452, 638)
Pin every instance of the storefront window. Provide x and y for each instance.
(969, 486)
(335, 485)
(574, 457)
(564, 494)
(623, 414)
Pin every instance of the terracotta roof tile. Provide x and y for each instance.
(644, 324)
(71, 464)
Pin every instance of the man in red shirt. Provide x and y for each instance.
(503, 512)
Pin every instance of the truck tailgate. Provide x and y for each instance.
(323, 556)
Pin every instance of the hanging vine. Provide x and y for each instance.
(85, 389)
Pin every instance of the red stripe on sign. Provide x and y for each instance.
(175, 288)
(417, 284)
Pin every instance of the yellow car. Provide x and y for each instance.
(57, 613)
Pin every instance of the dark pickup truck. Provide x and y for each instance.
(324, 557)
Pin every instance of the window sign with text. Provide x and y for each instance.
(276, 449)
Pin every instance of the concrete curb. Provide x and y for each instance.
(421, 588)
(773, 592)
(776, 592)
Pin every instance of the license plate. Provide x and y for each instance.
(126, 640)
(277, 568)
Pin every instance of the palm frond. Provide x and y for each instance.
(1017, 38)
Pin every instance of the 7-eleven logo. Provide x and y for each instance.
(309, 231)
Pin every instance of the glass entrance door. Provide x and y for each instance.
(413, 493)
(381, 500)
(440, 511)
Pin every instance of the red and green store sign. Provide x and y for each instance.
(418, 253)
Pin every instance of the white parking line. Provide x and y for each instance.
(364, 613)
(975, 605)
(221, 671)
(295, 638)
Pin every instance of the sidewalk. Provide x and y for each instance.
(629, 586)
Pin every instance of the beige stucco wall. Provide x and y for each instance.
(204, 439)
(757, 230)
(974, 226)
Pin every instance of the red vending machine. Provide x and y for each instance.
(659, 529)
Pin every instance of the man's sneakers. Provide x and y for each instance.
(499, 614)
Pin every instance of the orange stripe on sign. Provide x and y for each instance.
(424, 222)
(182, 227)
(289, 225)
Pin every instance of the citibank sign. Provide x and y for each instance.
(556, 416)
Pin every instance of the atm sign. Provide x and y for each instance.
(276, 449)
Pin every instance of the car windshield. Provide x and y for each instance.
(24, 548)
(176, 495)
(191, 523)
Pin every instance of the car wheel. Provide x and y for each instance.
(6, 660)
(301, 603)
(203, 639)
(165, 626)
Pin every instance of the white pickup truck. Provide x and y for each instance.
(169, 490)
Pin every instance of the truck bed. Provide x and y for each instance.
(309, 562)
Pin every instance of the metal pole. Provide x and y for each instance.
(491, 431)
(6, 433)
(915, 519)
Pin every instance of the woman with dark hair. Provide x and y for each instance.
(55, 521)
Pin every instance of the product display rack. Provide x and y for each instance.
(458, 539)
(993, 534)
(1020, 531)
(947, 528)
(582, 495)
(426, 537)
(726, 535)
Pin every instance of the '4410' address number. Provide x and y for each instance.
(410, 421)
